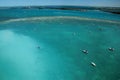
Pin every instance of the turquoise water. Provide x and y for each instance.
(61, 35)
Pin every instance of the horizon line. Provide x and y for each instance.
(57, 5)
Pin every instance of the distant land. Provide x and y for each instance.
(115, 10)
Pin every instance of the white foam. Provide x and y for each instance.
(59, 17)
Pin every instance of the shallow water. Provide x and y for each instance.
(61, 39)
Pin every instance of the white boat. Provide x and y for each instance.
(93, 64)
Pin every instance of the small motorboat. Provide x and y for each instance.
(111, 49)
(85, 51)
(93, 64)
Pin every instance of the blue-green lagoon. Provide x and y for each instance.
(48, 44)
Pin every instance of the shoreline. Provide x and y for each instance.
(114, 10)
